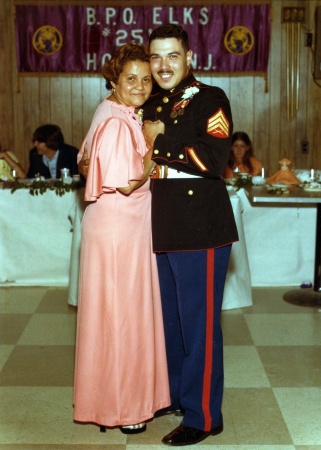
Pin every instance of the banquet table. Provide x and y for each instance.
(237, 292)
(40, 242)
(297, 196)
(35, 237)
(280, 238)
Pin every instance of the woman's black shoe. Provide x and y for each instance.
(133, 429)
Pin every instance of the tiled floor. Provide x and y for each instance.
(272, 397)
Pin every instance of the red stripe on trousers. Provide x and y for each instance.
(209, 339)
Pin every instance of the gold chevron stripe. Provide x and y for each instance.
(196, 159)
(218, 124)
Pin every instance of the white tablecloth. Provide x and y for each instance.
(35, 238)
(36, 241)
(237, 293)
(280, 242)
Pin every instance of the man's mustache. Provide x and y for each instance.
(161, 72)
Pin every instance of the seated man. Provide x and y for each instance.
(50, 153)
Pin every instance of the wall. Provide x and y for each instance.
(27, 102)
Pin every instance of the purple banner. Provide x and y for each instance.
(78, 39)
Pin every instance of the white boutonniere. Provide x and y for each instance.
(190, 92)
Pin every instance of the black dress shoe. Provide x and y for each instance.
(133, 429)
(166, 412)
(188, 435)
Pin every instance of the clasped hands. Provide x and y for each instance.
(151, 130)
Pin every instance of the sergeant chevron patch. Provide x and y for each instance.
(218, 125)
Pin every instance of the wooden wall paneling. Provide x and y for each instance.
(92, 97)
(287, 124)
(6, 107)
(261, 123)
(313, 118)
(45, 99)
(19, 144)
(274, 77)
(314, 103)
(31, 108)
(242, 101)
(300, 160)
(61, 111)
(77, 98)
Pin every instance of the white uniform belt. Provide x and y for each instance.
(168, 172)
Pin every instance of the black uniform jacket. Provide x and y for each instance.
(192, 213)
(67, 158)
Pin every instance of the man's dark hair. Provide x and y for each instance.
(171, 31)
(50, 134)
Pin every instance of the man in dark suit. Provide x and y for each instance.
(189, 127)
(50, 153)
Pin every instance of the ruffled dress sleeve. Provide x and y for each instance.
(115, 158)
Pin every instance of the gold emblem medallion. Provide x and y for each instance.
(239, 40)
(47, 40)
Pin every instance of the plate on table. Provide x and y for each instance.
(279, 185)
(312, 187)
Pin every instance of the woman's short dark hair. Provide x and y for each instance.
(50, 134)
(128, 52)
(170, 30)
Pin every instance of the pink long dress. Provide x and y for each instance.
(120, 368)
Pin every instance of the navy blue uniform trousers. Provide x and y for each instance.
(192, 285)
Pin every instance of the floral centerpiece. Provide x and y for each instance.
(39, 187)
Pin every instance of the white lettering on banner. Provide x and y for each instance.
(183, 16)
(91, 60)
(204, 16)
(156, 13)
(209, 65)
(171, 18)
(90, 16)
(187, 16)
(128, 16)
(105, 56)
(123, 36)
(109, 14)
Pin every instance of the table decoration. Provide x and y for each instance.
(278, 188)
(239, 182)
(284, 175)
(39, 187)
(258, 180)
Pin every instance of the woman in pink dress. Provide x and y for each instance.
(120, 370)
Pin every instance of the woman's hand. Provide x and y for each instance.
(83, 165)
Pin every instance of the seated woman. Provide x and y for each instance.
(241, 157)
(10, 167)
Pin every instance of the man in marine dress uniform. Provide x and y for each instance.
(189, 126)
